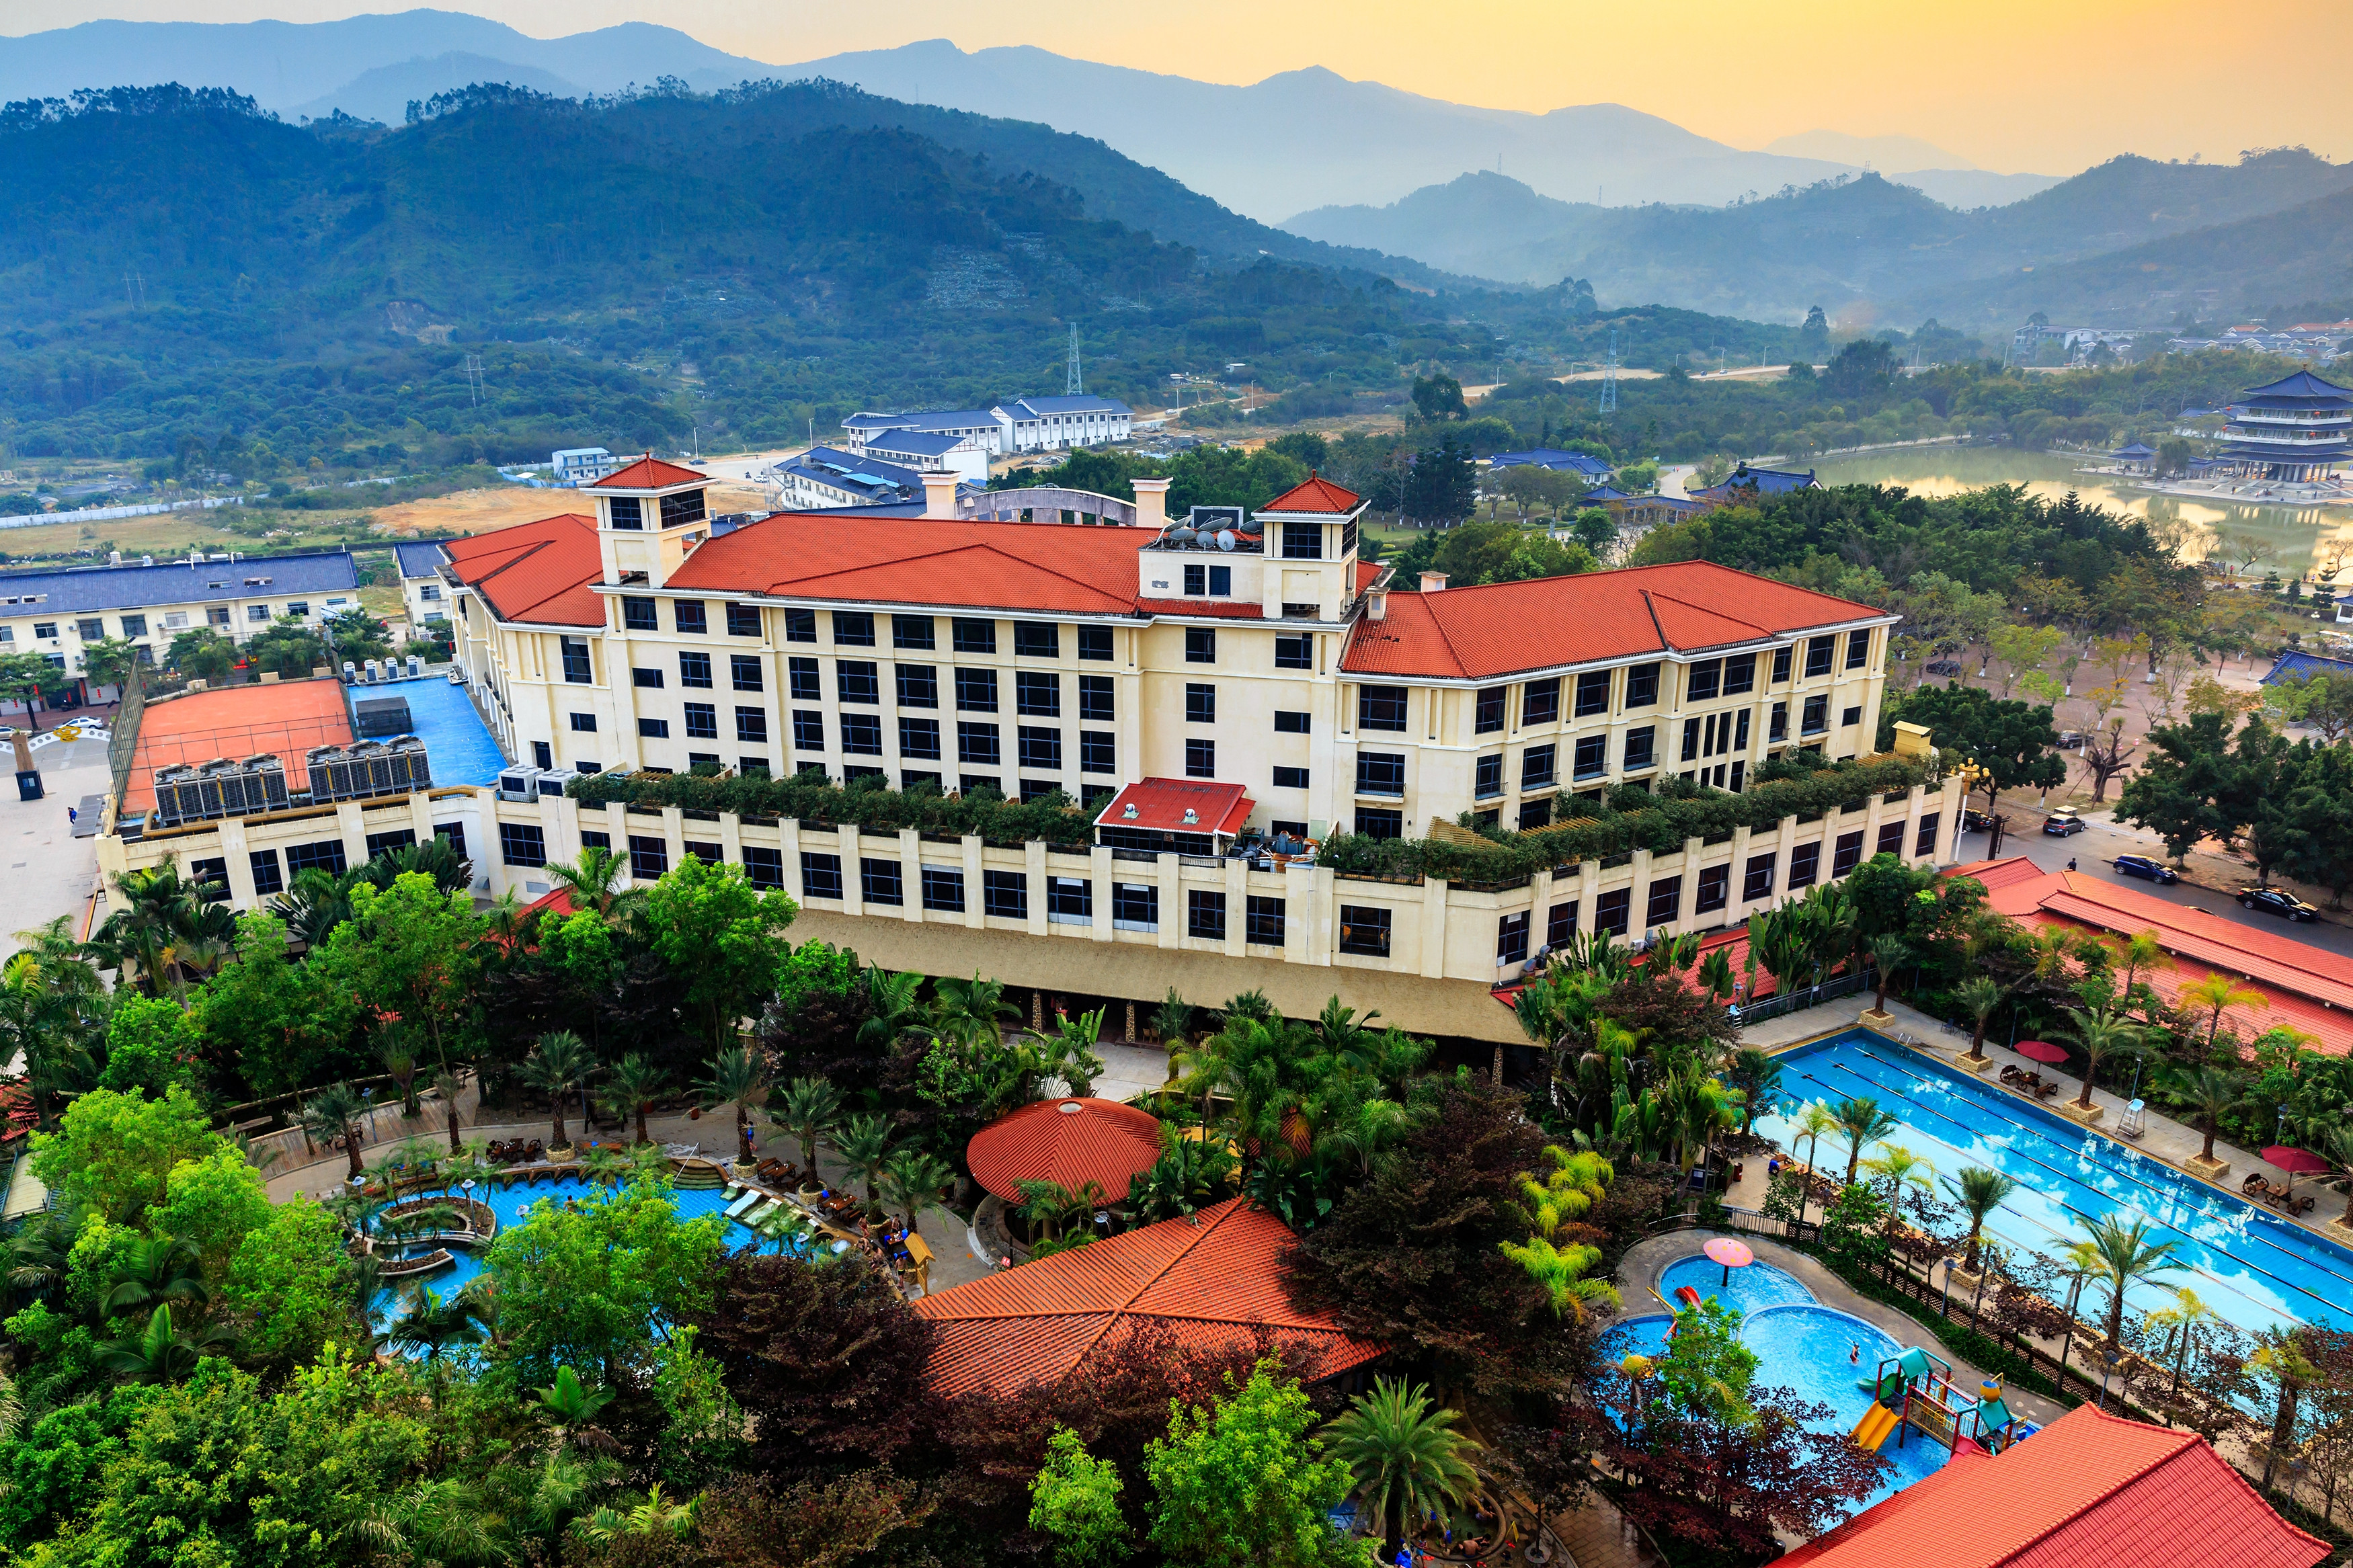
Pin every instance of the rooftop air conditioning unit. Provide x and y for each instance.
(519, 784)
(555, 781)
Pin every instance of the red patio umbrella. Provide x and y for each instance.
(2040, 1050)
(2295, 1161)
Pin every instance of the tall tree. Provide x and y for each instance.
(719, 936)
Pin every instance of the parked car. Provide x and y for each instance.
(1975, 821)
(2142, 866)
(2071, 739)
(1943, 667)
(2273, 901)
(2062, 822)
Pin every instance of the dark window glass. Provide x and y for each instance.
(1805, 864)
(920, 739)
(1095, 699)
(1036, 639)
(1819, 653)
(1036, 789)
(1781, 664)
(327, 854)
(1294, 652)
(590, 839)
(584, 723)
(1134, 906)
(1005, 895)
(1740, 674)
(763, 868)
(1380, 708)
(1891, 839)
(1691, 740)
(1290, 722)
(1925, 843)
(1610, 911)
(648, 858)
(1041, 749)
(976, 690)
(638, 614)
(1641, 685)
(800, 626)
(1201, 759)
(1817, 716)
(914, 779)
(709, 853)
(210, 878)
(1200, 645)
(1666, 901)
(654, 729)
(1539, 766)
(942, 890)
(807, 684)
(1511, 939)
(980, 783)
(858, 680)
(1262, 922)
(690, 616)
(1094, 642)
(912, 631)
(1715, 888)
(1380, 772)
(1540, 703)
(266, 877)
(686, 506)
(1205, 915)
(1038, 692)
(1535, 813)
(1778, 727)
(880, 882)
(820, 875)
(1847, 855)
(694, 670)
(1740, 739)
(577, 668)
(702, 722)
(626, 513)
(1380, 822)
(1592, 692)
(1365, 930)
(704, 762)
(1488, 717)
(1303, 541)
(743, 670)
(976, 744)
(1641, 747)
(1758, 881)
(919, 686)
(651, 679)
(1487, 777)
(1200, 703)
(1098, 752)
(743, 621)
(541, 756)
(861, 734)
(1858, 649)
(1070, 901)
(1290, 778)
(853, 628)
(1592, 756)
(1850, 717)
(976, 637)
(1560, 925)
(751, 725)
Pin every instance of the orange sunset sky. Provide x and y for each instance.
(2044, 85)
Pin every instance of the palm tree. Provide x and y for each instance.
(447, 1083)
(1048, 1207)
(1889, 953)
(161, 1355)
(154, 1270)
(2215, 995)
(1755, 1076)
(893, 1011)
(2099, 1035)
(336, 1112)
(1898, 1167)
(2119, 1255)
(593, 880)
(1377, 1125)
(2337, 1142)
(1980, 1191)
(738, 1077)
(1171, 1021)
(865, 1146)
(570, 1409)
(658, 1515)
(432, 1326)
(808, 1110)
(2210, 1093)
(1978, 996)
(1863, 1121)
(1697, 1109)
(393, 1049)
(2179, 1323)
(2141, 952)
(136, 941)
(556, 1066)
(1561, 1271)
(48, 1019)
(971, 1014)
(630, 1085)
(602, 1162)
(912, 1179)
(1068, 1046)
(1408, 1460)
(315, 903)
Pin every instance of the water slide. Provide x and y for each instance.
(1873, 1429)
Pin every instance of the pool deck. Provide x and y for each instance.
(2164, 1138)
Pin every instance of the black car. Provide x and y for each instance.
(1943, 667)
(1975, 821)
(2142, 866)
(2272, 901)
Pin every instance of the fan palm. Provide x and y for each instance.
(2099, 1035)
(738, 1077)
(1980, 1191)
(1406, 1459)
(865, 1145)
(557, 1067)
(336, 1112)
(1863, 1121)
(153, 1270)
(432, 1326)
(630, 1085)
(593, 880)
(1069, 1046)
(912, 1179)
(2210, 1093)
(2214, 996)
(807, 1109)
(161, 1353)
(2120, 1255)
(569, 1409)
(971, 1014)
(447, 1085)
(1979, 995)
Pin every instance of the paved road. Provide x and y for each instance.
(2102, 841)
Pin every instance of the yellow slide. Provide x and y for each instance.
(1873, 1429)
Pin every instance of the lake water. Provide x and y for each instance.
(2295, 534)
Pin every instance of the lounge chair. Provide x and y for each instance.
(2046, 1090)
(2253, 1183)
(736, 1209)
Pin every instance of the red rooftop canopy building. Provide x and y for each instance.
(2090, 1491)
(1071, 1141)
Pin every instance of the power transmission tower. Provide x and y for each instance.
(1609, 378)
(474, 378)
(1075, 384)
(134, 289)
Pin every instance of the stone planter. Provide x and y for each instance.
(2207, 1169)
(559, 1153)
(2086, 1114)
(1976, 1064)
(1875, 1018)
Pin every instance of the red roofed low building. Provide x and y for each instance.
(2090, 1491)
(1070, 1141)
(1212, 1281)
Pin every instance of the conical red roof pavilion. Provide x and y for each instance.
(1071, 1141)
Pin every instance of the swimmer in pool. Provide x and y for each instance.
(1854, 1354)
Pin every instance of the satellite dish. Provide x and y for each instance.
(1225, 538)
(1181, 534)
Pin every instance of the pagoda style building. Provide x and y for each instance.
(2298, 429)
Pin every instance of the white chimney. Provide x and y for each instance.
(1376, 605)
(1432, 581)
(1152, 503)
(940, 495)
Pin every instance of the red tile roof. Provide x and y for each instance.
(1317, 495)
(537, 571)
(1161, 804)
(2089, 1490)
(1506, 628)
(1212, 1280)
(1071, 1141)
(2308, 988)
(1038, 566)
(649, 473)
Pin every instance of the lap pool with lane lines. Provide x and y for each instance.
(2253, 1268)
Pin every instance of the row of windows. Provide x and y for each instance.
(1070, 901)
(92, 628)
(1383, 707)
(978, 743)
(858, 628)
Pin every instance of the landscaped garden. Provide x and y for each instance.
(527, 1329)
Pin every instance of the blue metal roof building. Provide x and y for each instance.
(1581, 463)
(2296, 429)
(425, 559)
(85, 590)
(2296, 665)
(1760, 481)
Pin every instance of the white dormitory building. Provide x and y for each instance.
(581, 465)
(1025, 424)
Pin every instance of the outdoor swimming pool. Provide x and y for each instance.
(2254, 1269)
(457, 742)
(1800, 1345)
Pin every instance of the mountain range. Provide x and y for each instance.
(1343, 142)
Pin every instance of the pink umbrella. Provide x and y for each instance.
(2295, 1161)
(1730, 1252)
(2040, 1050)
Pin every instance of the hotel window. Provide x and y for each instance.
(1365, 930)
(1925, 843)
(1611, 911)
(1041, 749)
(919, 685)
(577, 668)
(1592, 756)
(801, 675)
(638, 614)
(542, 756)
(709, 853)
(1095, 643)
(1560, 925)
(702, 722)
(1850, 717)
(920, 739)
(654, 729)
(704, 765)
(744, 670)
(1758, 882)
(976, 690)
(743, 621)
(266, 877)
(1380, 772)
(1891, 839)
(1815, 716)
(1641, 685)
(976, 637)
(1380, 822)
(327, 854)
(751, 725)
(1380, 708)
(1036, 639)
(210, 878)
(912, 631)
(820, 875)
(1038, 693)
(1200, 645)
(694, 670)
(1715, 888)
(858, 680)
(808, 730)
(1818, 652)
(1005, 895)
(976, 744)
(1212, 581)
(1070, 901)
(1777, 725)
(1095, 701)
(648, 858)
(627, 512)
(912, 779)
(681, 508)
(1205, 915)
(1706, 679)
(1098, 752)
(1294, 652)
(1782, 665)
(1740, 675)
(1200, 703)
(1858, 649)
(1691, 740)
(1303, 541)
(519, 844)
(1487, 777)
(1847, 855)
(1641, 748)
(1539, 767)
(1134, 906)
(584, 723)
(1805, 864)
(1288, 722)
(942, 890)
(1540, 702)
(1201, 759)
(1592, 692)
(1511, 939)
(689, 615)
(647, 677)
(1666, 902)
(853, 628)
(1262, 922)
(763, 868)
(1487, 716)
(861, 734)
(1535, 813)
(880, 882)
(757, 767)
(800, 626)
(1290, 778)
(134, 626)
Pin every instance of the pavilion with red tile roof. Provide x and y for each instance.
(1315, 497)
(537, 573)
(2308, 988)
(1213, 1281)
(1070, 1141)
(649, 473)
(2089, 1490)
